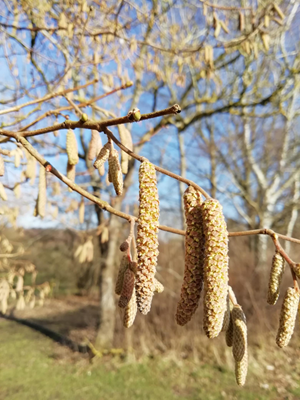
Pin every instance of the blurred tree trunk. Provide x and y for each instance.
(109, 250)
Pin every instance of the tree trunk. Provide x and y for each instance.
(107, 309)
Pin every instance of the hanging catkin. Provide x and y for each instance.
(276, 273)
(102, 156)
(130, 311)
(94, 146)
(226, 320)
(126, 140)
(158, 286)
(3, 194)
(239, 348)
(215, 267)
(115, 172)
(229, 331)
(72, 148)
(123, 267)
(41, 201)
(81, 211)
(127, 288)
(147, 236)
(2, 167)
(71, 174)
(194, 257)
(288, 316)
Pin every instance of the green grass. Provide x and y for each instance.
(33, 367)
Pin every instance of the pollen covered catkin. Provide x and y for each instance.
(71, 174)
(147, 236)
(2, 167)
(239, 348)
(41, 202)
(123, 267)
(3, 194)
(127, 288)
(130, 311)
(215, 267)
(288, 316)
(72, 148)
(277, 270)
(158, 286)
(102, 156)
(115, 172)
(95, 145)
(194, 257)
(126, 140)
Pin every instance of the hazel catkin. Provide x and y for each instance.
(2, 167)
(123, 267)
(94, 145)
(72, 148)
(130, 311)
(102, 156)
(215, 267)
(115, 171)
(127, 288)
(194, 257)
(288, 316)
(147, 236)
(41, 201)
(277, 270)
(240, 345)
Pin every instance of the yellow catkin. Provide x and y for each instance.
(81, 211)
(127, 288)
(115, 172)
(288, 316)
(71, 174)
(17, 190)
(123, 267)
(277, 270)
(226, 319)
(147, 236)
(3, 194)
(215, 267)
(94, 146)
(194, 257)
(229, 331)
(158, 286)
(2, 167)
(72, 148)
(130, 311)
(102, 156)
(240, 345)
(41, 202)
(126, 140)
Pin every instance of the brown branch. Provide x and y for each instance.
(225, 8)
(99, 126)
(264, 231)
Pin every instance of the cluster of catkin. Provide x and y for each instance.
(206, 262)
(136, 282)
(290, 302)
(206, 267)
(107, 152)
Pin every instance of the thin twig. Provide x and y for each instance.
(48, 97)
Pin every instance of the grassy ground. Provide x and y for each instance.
(34, 367)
